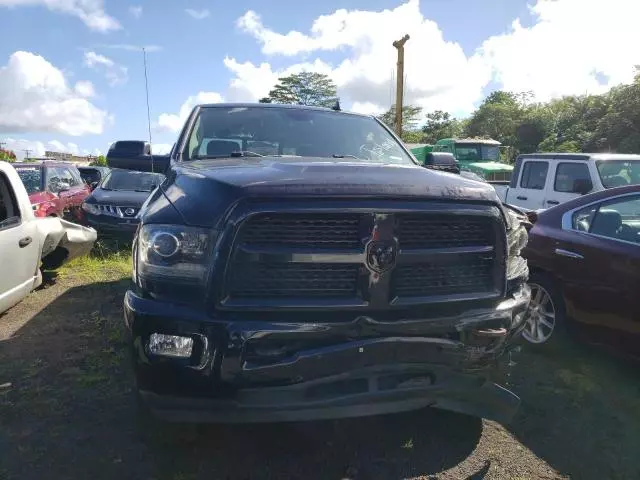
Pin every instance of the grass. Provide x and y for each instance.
(107, 261)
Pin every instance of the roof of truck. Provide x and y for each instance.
(581, 156)
(277, 105)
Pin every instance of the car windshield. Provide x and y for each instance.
(618, 173)
(31, 178)
(132, 180)
(469, 152)
(223, 132)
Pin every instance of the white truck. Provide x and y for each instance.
(543, 180)
(28, 242)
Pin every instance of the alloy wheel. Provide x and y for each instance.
(541, 316)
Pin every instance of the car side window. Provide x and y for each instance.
(567, 174)
(9, 211)
(76, 178)
(534, 175)
(582, 219)
(66, 178)
(618, 219)
(54, 182)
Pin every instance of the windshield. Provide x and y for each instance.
(617, 173)
(132, 180)
(31, 178)
(469, 152)
(223, 132)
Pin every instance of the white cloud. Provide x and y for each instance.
(34, 96)
(91, 12)
(171, 122)
(135, 11)
(84, 89)
(439, 74)
(116, 74)
(37, 148)
(161, 148)
(572, 45)
(198, 14)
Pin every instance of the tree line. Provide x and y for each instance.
(609, 122)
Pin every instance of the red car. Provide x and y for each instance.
(55, 189)
(584, 259)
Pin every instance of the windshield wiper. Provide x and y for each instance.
(335, 155)
(236, 154)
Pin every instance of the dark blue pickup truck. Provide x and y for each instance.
(297, 263)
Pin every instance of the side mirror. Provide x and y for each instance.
(93, 186)
(136, 155)
(582, 186)
(140, 163)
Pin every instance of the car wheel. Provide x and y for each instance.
(546, 314)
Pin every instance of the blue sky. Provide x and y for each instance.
(93, 91)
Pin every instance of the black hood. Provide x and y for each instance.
(119, 198)
(202, 190)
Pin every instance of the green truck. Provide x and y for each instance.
(478, 155)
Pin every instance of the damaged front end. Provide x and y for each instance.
(256, 371)
(406, 307)
(63, 241)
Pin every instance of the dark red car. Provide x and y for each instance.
(584, 258)
(55, 189)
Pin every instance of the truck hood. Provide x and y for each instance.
(203, 190)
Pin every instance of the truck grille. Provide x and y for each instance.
(295, 280)
(302, 231)
(441, 231)
(284, 259)
(474, 274)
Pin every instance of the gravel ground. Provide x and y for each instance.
(67, 411)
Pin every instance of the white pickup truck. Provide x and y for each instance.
(27, 242)
(542, 180)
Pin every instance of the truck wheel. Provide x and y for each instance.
(546, 314)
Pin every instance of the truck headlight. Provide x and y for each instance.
(174, 253)
(517, 238)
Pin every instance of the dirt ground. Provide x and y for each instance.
(67, 411)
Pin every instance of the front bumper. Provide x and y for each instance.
(112, 226)
(259, 371)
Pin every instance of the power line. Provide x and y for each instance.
(27, 153)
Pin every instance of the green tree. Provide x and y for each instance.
(440, 125)
(498, 117)
(7, 155)
(305, 88)
(410, 117)
(100, 161)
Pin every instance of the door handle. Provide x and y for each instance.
(23, 242)
(553, 202)
(566, 253)
(521, 198)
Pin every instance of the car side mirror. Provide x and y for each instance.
(93, 186)
(582, 186)
(140, 163)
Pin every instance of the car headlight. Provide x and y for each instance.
(91, 208)
(174, 253)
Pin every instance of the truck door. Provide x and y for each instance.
(19, 248)
(530, 190)
(566, 176)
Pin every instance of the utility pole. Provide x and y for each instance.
(399, 44)
(27, 153)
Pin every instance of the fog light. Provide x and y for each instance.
(170, 345)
